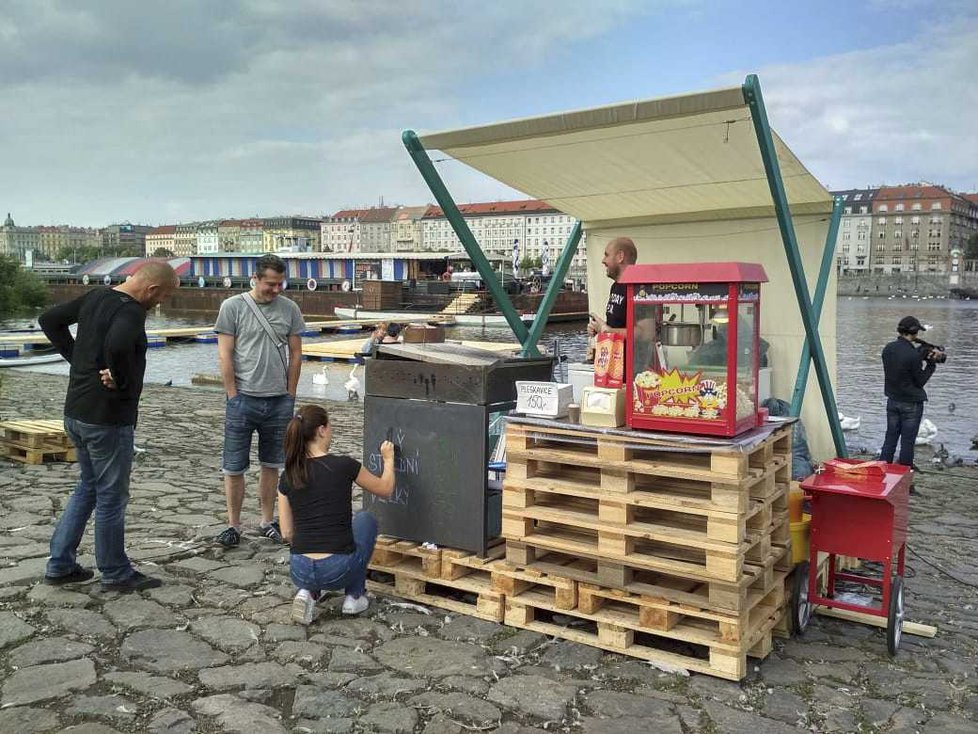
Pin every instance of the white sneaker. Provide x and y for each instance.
(355, 604)
(302, 607)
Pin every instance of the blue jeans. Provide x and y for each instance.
(245, 414)
(346, 571)
(105, 460)
(902, 422)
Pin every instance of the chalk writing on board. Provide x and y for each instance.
(405, 465)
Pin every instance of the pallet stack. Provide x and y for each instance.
(626, 544)
(35, 441)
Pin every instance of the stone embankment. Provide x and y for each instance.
(213, 649)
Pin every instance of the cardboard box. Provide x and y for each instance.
(544, 399)
(603, 406)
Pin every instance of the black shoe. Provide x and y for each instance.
(272, 531)
(137, 582)
(229, 538)
(75, 576)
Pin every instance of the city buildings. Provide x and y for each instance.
(341, 232)
(913, 228)
(161, 239)
(125, 239)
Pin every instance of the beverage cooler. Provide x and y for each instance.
(693, 347)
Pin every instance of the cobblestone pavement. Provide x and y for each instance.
(212, 650)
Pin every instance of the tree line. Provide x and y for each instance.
(20, 289)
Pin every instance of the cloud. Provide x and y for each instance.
(892, 114)
(182, 110)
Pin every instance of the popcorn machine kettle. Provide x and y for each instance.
(693, 347)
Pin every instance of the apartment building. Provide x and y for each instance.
(291, 234)
(853, 242)
(341, 232)
(407, 234)
(376, 229)
(162, 238)
(208, 240)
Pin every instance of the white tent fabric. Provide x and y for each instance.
(683, 177)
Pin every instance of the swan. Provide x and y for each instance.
(926, 433)
(352, 384)
(321, 377)
(849, 424)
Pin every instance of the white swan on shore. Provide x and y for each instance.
(926, 433)
(849, 424)
(352, 384)
(321, 377)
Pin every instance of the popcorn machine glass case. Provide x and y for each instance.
(692, 350)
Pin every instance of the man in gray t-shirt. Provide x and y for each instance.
(259, 348)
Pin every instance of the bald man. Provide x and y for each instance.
(108, 359)
(618, 254)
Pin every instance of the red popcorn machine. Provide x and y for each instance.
(693, 347)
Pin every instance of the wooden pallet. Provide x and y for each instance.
(691, 644)
(35, 434)
(718, 463)
(471, 594)
(658, 614)
(513, 581)
(756, 581)
(674, 550)
(694, 517)
(391, 552)
(36, 456)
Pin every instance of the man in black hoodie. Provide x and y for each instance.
(108, 359)
(906, 369)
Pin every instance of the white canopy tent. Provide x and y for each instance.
(684, 178)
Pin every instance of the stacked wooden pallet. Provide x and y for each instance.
(679, 551)
(35, 441)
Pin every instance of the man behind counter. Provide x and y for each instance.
(618, 254)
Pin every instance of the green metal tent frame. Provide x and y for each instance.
(812, 352)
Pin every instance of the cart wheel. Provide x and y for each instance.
(801, 609)
(894, 622)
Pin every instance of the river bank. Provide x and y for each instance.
(922, 285)
(212, 649)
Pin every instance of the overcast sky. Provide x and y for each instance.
(113, 110)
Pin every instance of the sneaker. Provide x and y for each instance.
(355, 604)
(75, 576)
(229, 538)
(302, 607)
(272, 531)
(137, 582)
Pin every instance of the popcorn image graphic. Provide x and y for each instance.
(709, 399)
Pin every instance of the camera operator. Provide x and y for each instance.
(906, 369)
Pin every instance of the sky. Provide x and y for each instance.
(156, 113)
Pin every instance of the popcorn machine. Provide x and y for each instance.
(693, 347)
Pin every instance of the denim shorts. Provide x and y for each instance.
(245, 414)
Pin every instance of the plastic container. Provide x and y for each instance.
(580, 375)
(799, 539)
(796, 498)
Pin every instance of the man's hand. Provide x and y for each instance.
(595, 326)
(107, 381)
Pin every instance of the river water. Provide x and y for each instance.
(864, 326)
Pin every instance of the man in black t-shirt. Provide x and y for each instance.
(108, 359)
(618, 254)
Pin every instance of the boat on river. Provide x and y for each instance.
(30, 361)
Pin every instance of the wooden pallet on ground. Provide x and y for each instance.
(471, 594)
(37, 456)
(513, 581)
(390, 552)
(690, 644)
(35, 434)
(756, 581)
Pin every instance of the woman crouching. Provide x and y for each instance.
(330, 548)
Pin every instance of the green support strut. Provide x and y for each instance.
(765, 141)
(420, 157)
(828, 257)
(553, 288)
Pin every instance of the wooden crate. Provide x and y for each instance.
(390, 552)
(691, 644)
(514, 581)
(755, 582)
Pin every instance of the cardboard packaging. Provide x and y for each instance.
(544, 399)
(603, 406)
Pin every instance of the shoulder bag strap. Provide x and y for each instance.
(267, 327)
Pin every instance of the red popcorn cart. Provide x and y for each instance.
(693, 347)
(859, 509)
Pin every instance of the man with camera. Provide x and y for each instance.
(908, 363)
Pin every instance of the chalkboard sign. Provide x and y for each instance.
(440, 469)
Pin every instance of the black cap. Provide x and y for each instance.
(910, 325)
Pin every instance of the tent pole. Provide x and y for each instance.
(765, 141)
(420, 157)
(553, 288)
(820, 287)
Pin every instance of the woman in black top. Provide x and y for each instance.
(330, 547)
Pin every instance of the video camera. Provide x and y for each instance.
(932, 352)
